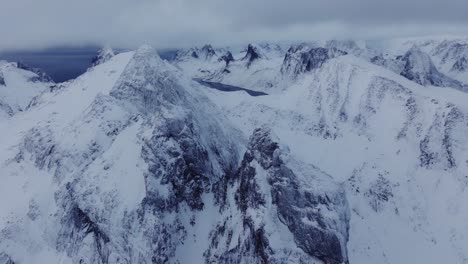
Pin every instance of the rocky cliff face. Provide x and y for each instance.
(227, 58)
(252, 54)
(278, 203)
(301, 58)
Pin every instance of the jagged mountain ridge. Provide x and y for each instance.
(152, 162)
(150, 167)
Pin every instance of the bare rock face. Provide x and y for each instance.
(301, 58)
(252, 54)
(227, 58)
(307, 203)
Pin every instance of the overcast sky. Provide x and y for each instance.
(179, 23)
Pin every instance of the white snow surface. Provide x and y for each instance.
(17, 88)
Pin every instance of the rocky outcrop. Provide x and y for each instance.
(301, 58)
(227, 58)
(207, 52)
(269, 184)
(252, 54)
(2, 79)
(461, 65)
(104, 55)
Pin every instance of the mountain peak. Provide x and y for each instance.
(302, 58)
(418, 67)
(252, 54)
(104, 55)
(207, 51)
(227, 58)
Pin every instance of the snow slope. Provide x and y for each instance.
(18, 87)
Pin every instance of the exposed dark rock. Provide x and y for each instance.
(379, 193)
(301, 58)
(76, 226)
(460, 65)
(227, 58)
(318, 236)
(207, 51)
(252, 54)
(104, 55)
(186, 169)
(437, 150)
(2, 79)
(4, 107)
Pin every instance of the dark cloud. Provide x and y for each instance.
(176, 23)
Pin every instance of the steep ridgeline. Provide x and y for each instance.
(19, 84)
(145, 169)
(144, 158)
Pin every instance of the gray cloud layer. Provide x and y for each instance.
(178, 23)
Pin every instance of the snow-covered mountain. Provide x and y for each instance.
(389, 141)
(418, 67)
(18, 86)
(448, 53)
(253, 66)
(352, 155)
